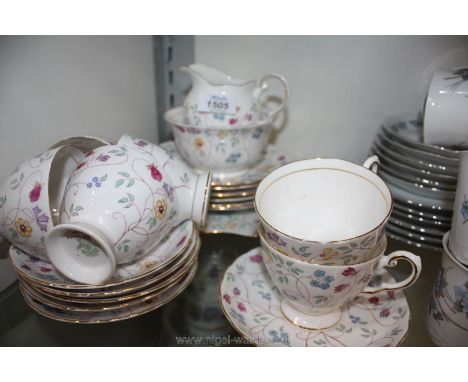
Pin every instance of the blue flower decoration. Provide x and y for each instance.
(464, 209)
(315, 283)
(329, 279)
(319, 273)
(95, 179)
(354, 319)
(324, 286)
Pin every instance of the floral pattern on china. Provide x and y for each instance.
(217, 99)
(272, 159)
(43, 272)
(28, 199)
(251, 302)
(120, 200)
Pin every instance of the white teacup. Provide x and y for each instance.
(120, 202)
(313, 294)
(327, 211)
(30, 198)
(220, 100)
(446, 109)
(447, 319)
(458, 242)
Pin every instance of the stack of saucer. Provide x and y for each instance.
(235, 191)
(134, 289)
(422, 178)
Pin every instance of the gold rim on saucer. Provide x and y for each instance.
(144, 296)
(231, 206)
(236, 194)
(60, 286)
(116, 318)
(121, 292)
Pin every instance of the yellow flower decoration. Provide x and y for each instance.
(328, 253)
(199, 143)
(160, 209)
(222, 134)
(23, 227)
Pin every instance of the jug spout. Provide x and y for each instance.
(211, 76)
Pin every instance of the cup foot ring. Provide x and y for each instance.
(310, 322)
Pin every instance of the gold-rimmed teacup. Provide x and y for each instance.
(313, 294)
(322, 209)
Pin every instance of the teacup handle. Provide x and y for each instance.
(372, 163)
(264, 87)
(391, 260)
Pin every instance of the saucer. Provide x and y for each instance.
(124, 292)
(251, 303)
(250, 177)
(89, 317)
(44, 273)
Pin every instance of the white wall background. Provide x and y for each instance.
(341, 87)
(54, 87)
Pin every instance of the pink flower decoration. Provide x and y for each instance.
(141, 143)
(385, 313)
(227, 298)
(45, 269)
(81, 165)
(349, 271)
(374, 300)
(256, 258)
(391, 294)
(341, 288)
(89, 153)
(241, 307)
(24, 266)
(155, 173)
(236, 291)
(233, 121)
(35, 193)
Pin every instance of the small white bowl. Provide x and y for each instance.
(225, 149)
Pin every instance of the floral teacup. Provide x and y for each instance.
(313, 293)
(326, 211)
(30, 198)
(120, 202)
(219, 149)
(447, 319)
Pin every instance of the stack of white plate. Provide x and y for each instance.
(135, 288)
(422, 179)
(235, 191)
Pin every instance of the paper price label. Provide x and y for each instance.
(217, 105)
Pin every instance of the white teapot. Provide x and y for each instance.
(217, 99)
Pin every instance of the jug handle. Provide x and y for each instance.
(264, 86)
(372, 163)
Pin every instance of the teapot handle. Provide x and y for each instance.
(264, 86)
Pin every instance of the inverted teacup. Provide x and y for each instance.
(30, 198)
(324, 210)
(120, 202)
(313, 294)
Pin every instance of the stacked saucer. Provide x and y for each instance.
(235, 191)
(134, 289)
(422, 179)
